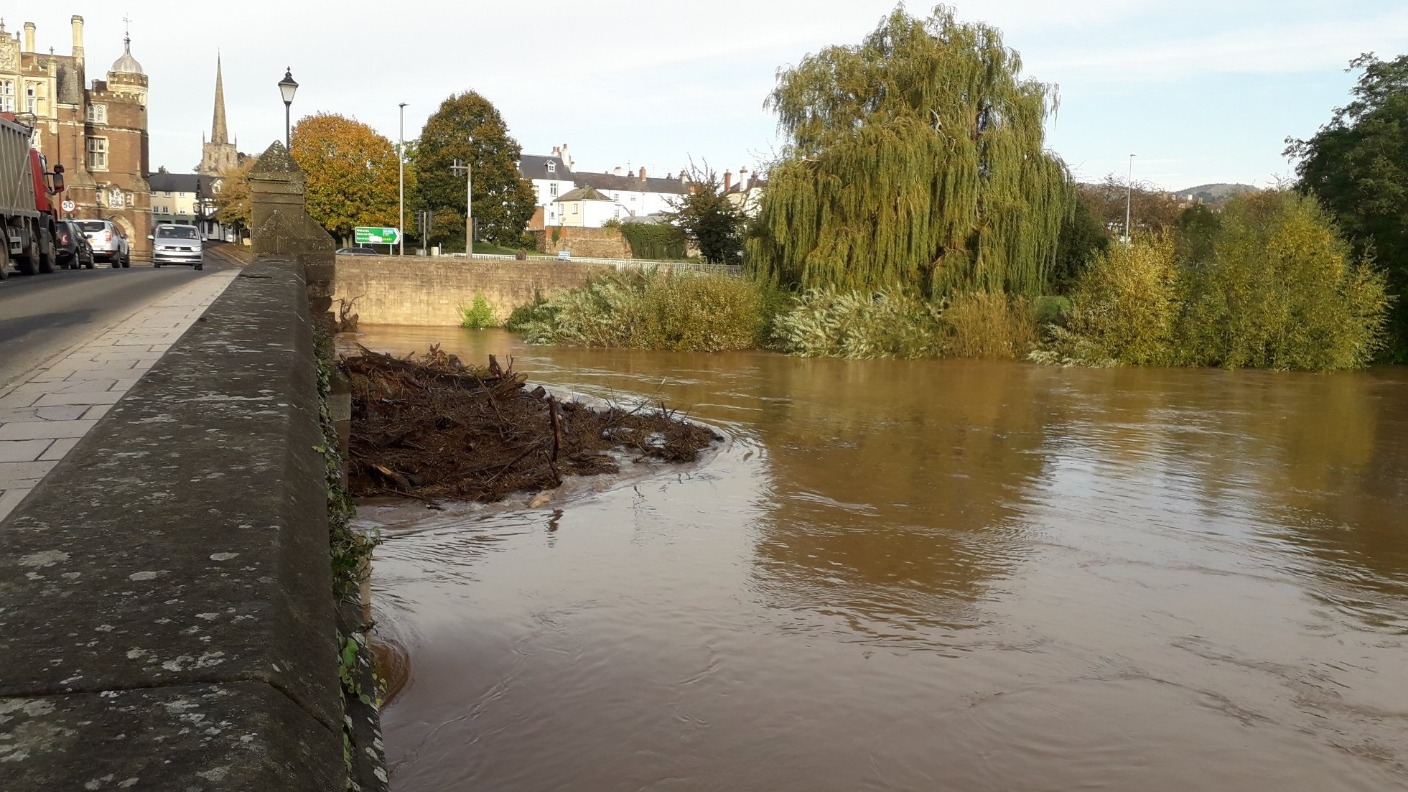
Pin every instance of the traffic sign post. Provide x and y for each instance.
(370, 235)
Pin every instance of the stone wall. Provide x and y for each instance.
(413, 290)
(585, 242)
(167, 612)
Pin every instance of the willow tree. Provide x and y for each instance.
(915, 159)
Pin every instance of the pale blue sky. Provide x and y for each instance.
(1201, 91)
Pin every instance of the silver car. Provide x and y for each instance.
(108, 242)
(173, 243)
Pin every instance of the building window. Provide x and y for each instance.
(97, 154)
(7, 96)
(552, 168)
(97, 114)
(31, 100)
(574, 208)
(552, 189)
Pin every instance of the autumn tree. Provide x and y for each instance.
(232, 206)
(467, 127)
(1151, 210)
(709, 219)
(916, 158)
(1357, 165)
(352, 173)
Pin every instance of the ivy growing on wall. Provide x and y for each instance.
(653, 241)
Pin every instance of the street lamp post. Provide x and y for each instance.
(1128, 192)
(288, 87)
(401, 177)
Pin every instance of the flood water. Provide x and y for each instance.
(934, 575)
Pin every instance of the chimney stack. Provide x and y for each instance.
(728, 180)
(77, 22)
(29, 37)
(642, 173)
(616, 171)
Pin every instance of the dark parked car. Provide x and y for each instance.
(357, 251)
(73, 248)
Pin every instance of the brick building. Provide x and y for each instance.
(97, 131)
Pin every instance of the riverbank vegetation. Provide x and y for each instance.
(915, 212)
(1278, 289)
(702, 311)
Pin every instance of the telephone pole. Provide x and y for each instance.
(1128, 192)
(401, 178)
(456, 168)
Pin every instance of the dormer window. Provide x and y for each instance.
(552, 167)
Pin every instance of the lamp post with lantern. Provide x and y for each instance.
(287, 87)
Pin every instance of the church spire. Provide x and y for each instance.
(218, 133)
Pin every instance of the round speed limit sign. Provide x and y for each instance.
(67, 205)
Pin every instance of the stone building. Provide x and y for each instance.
(218, 154)
(97, 131)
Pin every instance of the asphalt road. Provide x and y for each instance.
(42, 316)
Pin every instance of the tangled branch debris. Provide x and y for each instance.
(434, 428)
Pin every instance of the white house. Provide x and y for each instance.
(552, 178)
(747, 193)
(625, 195)
(584, 207)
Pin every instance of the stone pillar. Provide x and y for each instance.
(282, 230)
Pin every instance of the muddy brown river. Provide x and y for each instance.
(935, 575)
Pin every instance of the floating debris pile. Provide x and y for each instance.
(433, 428)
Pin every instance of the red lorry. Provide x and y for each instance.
(28, 202)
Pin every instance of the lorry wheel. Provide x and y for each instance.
(28, 263)
(46, 252)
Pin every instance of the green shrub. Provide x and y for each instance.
(479, 315)
(1278, 290)
(652, 309)
(989, 326)
(524, 316)
(701, 311)
(1052, 310)
(1281, 292)
(831, 323)
(1123, 309)
(657, 241)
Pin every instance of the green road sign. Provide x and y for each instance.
(367, 235)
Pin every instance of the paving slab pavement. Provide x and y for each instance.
(45, 413)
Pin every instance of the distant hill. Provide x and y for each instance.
(1215, 193)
